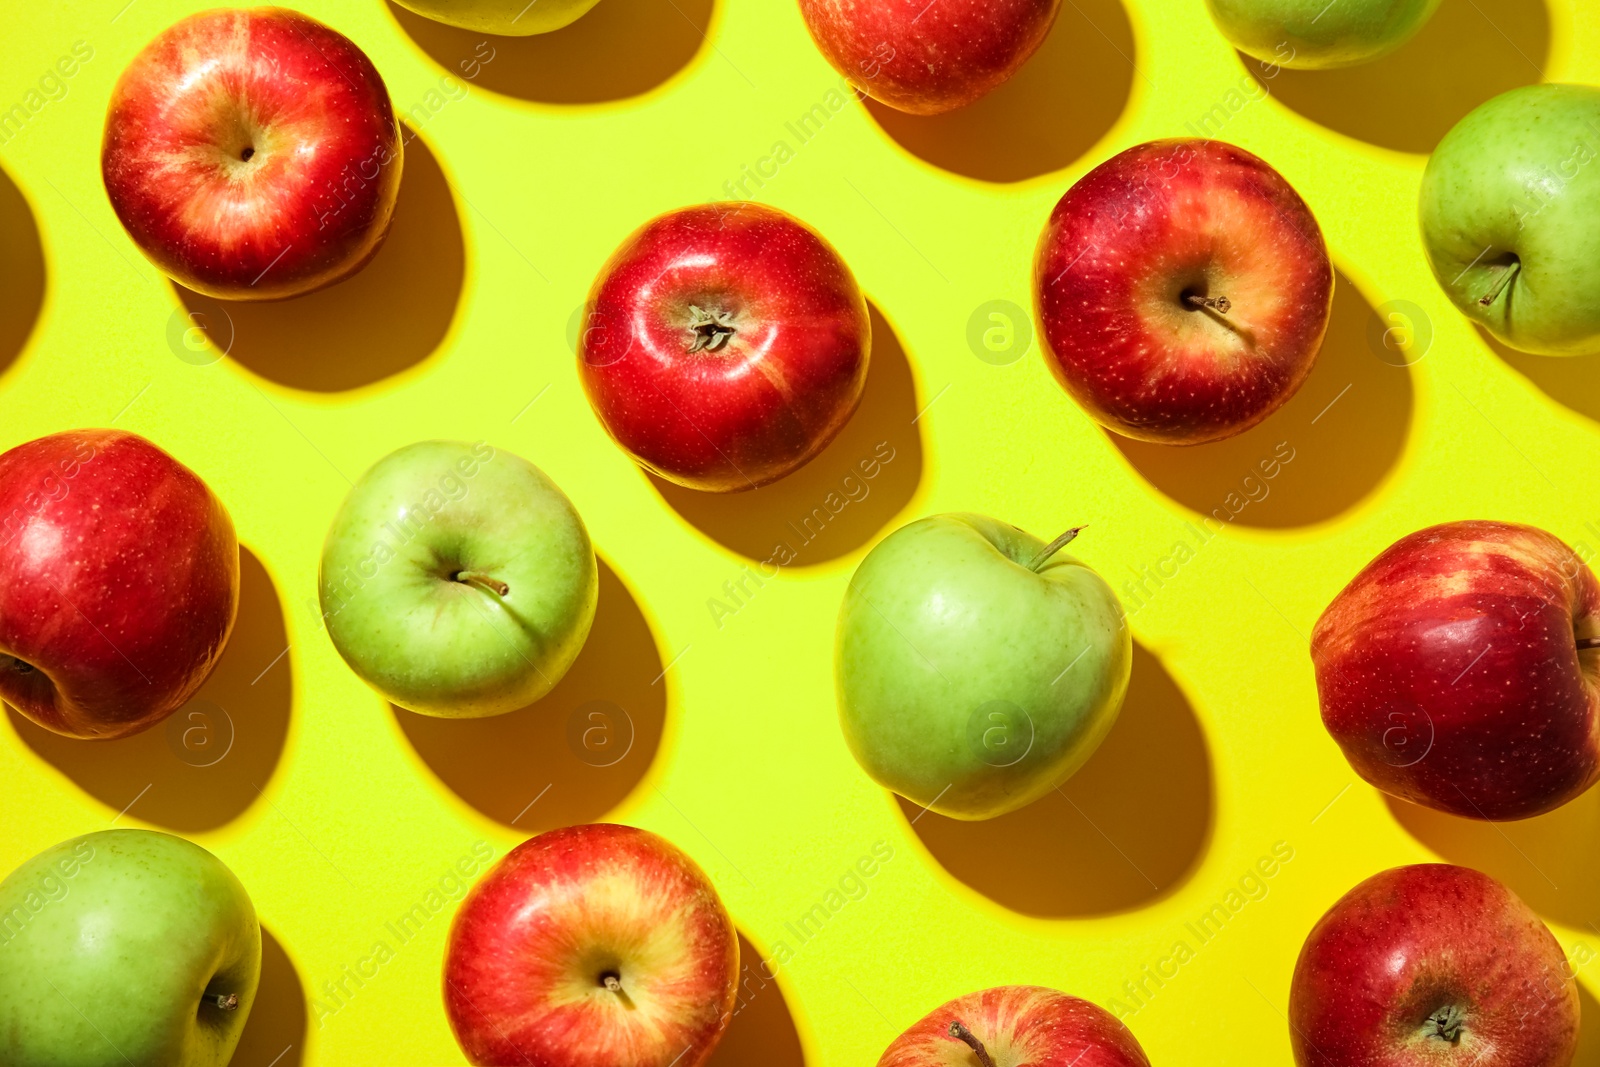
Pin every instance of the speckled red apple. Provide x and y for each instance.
(1183, 290)
(1432, 966)
(928, 56)
(725, 346)
(1016, 1026)
(1458, 670)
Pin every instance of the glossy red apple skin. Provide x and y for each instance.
(1412, 941)
(311, 204)
(1449, 673)
(1128, 243)
(928, 58)
(1018, 1026)
(533, 939)
(119, 582)
(773, 394)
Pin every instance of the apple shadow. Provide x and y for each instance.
(1043, 119)
(573, 756)
(831, 506)
(275, 1034)
(23, 269)
(1409, 99)
(1121, 833)
(1571, 381)
(762, 1031)
(1545, 860)
(1588, 1051)
(207, 763)
(1342, 432)
(387, 318)
(620, 49)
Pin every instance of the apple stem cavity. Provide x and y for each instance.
(963, 1034)
(225, 1001)
(482, 581)
(709, 331)
(1053, 547)
(1446, 1023)
(1506, 274)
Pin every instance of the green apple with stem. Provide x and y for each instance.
(458, 580)
(1510, 210)
(508, 18)
(1319, 34)
(977, 667)
(125, 947)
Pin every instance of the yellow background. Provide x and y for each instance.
(340, 814)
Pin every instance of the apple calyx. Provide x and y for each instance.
(1053, 547)
(709, 331)
(1508, 272)
(1445, 1023)
(225, 1001)
(482, 581)
(961, 1033)
(1220, 304)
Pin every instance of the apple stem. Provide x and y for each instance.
(225, 1001)
(1506, 274)
(483, 581)
(1053, 547)
(1220, 304)
(962, 1033)
(1588, 642)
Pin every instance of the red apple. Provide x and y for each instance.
(252, 154)
(119, 581)
(1457, 670)
(726, 345)
(1183, 289)
(592, 946)
(928, 56)
(1432, 966)
(1016, 1026)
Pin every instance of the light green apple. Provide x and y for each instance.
(1319, 34)
(125, 947)
(1510, 210)
(509, 18)
(977, 667)
(458, 580)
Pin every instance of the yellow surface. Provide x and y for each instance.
(340, 816)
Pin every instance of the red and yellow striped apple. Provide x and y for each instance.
(1016, 1026)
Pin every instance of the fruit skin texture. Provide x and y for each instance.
(1509, 184)
(1019, 1026)
(119, 582)
(109, 940)
(1448, 671)
(433, 643)
(1128, 243)
(767, 398)
(1316, 35)
(530, 943)
(943, 627)
(1411, 941)
(509, 18)
(924, 58)
(311, 204)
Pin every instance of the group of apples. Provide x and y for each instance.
(1183, 289)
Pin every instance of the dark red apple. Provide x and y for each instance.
(725, 345)
(1432, 966)
(1183, 289)
(592, 946)
(1016, 1026)
(928, 56)
(1458, 670)
(119, 581)
(252, 154)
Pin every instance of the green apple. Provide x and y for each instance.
(1510, 209)
(458, 580)
(977, 667)
(1319, 34)
(125, 947)
(510, 18)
